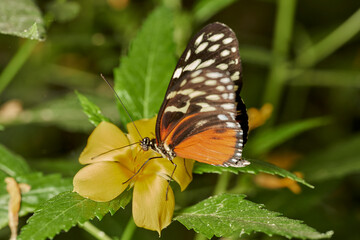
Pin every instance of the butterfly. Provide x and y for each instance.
(203, 116)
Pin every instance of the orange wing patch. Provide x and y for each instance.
(213, 146)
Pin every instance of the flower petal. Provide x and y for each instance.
(151, 210)
(146, 128)
(182, 174)
(105, 137)
(102, 181)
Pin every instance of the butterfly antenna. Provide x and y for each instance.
(114, 149)
(122, 104)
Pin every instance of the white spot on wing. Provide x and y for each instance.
(201, 47)
(175, 109)
(230, 124)
(238, 154)
(185, 91)
(233, 49)
(206, 63)
(210, 82)
(229, 87)
(225, 95)
(201, 123)
(171, 95)
(196, 94)
(177, 73)
(205, 107)
(220, 88)
(214, 47)
(227, 40)
(197, 80)
(232, 160)
(196, 73)
(199, 39)
(225, 53)
(192, 66)
(225, 80)
(222, 117)
(222, 66)
(214, 74)
(216, 37)
(235, 76)
(228, 106)
(188, 54)
(183, 83)
(213, 97)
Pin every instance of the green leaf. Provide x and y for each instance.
(255, 167)
(12, 164)
(66, 166)
(205, 9)
(229, 214)
(266, 140)
(91, 110)
(65, 211)
(42, 189)
(21, 18)
(65, 112)
(143, 75)
(64, 11)
(334, 162)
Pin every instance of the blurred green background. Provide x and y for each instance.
(303, 57)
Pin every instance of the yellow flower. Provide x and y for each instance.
(108, 169)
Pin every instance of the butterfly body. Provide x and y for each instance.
(164, 150)
(203, 116)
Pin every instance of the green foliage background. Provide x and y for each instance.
(301, 56)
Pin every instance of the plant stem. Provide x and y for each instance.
(222, 183)
(94, 231)
(281, 44)
(221, 187)
(129, 230)
(331, 42)
(16, 63)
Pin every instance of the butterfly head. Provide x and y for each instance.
(164, 150)
(146, 143)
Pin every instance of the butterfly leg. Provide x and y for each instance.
(141, 168)
(171, 177)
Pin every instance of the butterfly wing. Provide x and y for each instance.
(215, 45)
(203, 116)
(199, 120)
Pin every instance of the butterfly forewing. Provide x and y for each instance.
(216, 46)
(202, 116)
